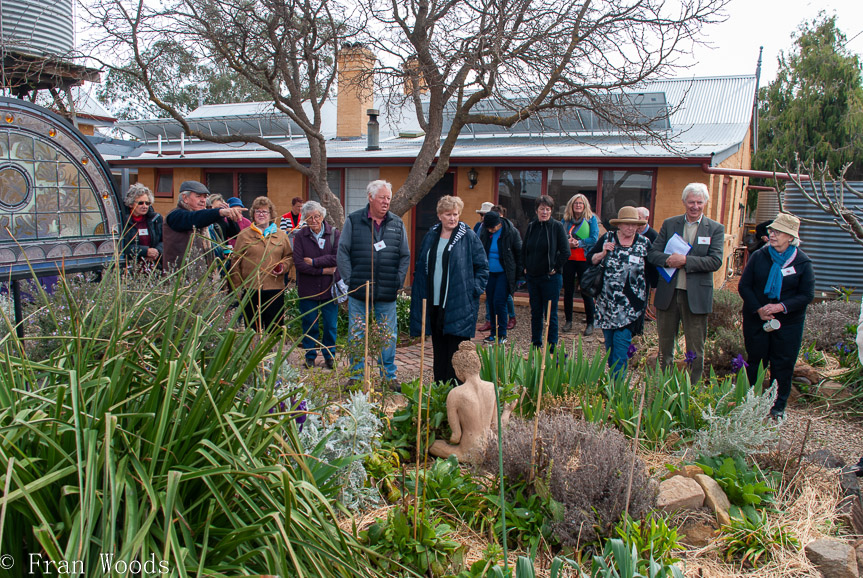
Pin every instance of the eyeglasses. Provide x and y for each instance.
(143, 203)
(263, 212)
(314, 217)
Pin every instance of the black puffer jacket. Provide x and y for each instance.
(509, 246)
(131, 248)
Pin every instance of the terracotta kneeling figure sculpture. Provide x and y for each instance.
(470, 409)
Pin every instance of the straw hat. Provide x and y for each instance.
(628, 216)
(786, 223)
(485, 208)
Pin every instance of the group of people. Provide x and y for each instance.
(457, 264)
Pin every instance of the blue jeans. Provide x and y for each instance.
(385, 314)
(542, 290)
(510, 309)
(497, 290)
(328, 313)
(617, 343)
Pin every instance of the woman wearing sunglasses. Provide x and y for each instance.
(142, 235)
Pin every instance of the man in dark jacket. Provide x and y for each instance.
(502, 244)
(373, 248)
(544, 252)
(189, 222)
(687, 295)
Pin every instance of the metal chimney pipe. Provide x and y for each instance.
(374, 135)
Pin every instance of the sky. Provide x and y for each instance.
(767, 23)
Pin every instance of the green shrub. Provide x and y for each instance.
(743, 485)
(151, 433)
(740, 431)
(450, 491)
(652, 537)
(432, 552)
(751, 539)
(725, 344)
(826, 322)
(401, 435)
(530, 517)
(727, 305)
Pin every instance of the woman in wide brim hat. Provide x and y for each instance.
(621, 302)
(777, 285)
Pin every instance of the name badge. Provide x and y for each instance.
(703, 240)
(143, 233)
(380, 245)
(635, 259)
(788, 271)
(321, 243)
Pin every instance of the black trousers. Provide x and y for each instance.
(571, 269)
(443, 347)
(778, 349)
(264, 309)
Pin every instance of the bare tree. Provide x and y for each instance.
(478, 62)
(284, 48)
(500, 62)
(829, 193)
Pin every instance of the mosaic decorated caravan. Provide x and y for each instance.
(59, 208)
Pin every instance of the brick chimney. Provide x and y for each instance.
(355, 90)
(414, 74)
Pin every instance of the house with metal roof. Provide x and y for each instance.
(702, 132)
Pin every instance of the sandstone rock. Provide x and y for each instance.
(697, 533)
(833, 558)
(679, 493)
(834, 391)
(715, 498)
(858, 548)
(806, 372)
(686, 471)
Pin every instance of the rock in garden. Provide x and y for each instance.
(835, 391)
(686, 471)
(807, 372)
(849, 484)
(833, 558)
(858, 548)
(825, 458)
(715, 498)
(679, 493)
(697, 532)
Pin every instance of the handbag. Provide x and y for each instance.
(592, 279)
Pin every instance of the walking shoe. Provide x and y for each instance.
(392, 385)
(490, 340)
(856, 469)
(309, 364)
(776, 415)
(485, 326)
(510, 324)
(330, 363)
(567, 327)
(588, 330)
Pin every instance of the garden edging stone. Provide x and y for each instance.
(679, 493)
(833, 558)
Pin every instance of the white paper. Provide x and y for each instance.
(676, 245)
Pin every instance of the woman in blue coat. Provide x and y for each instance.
(451, 273)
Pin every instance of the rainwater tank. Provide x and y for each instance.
(37, 27)
(836, 259)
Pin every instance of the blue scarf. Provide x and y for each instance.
(773, 288)
(272, 228)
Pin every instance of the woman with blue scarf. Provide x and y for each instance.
(261, 257)
(776, 286)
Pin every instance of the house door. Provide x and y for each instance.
(425, 213)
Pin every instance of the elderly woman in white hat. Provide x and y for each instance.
(621, 302)
(776, 286)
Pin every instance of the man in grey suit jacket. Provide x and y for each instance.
(688, 297)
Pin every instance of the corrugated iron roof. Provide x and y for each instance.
(710, 117)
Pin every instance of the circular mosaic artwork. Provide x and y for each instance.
(14, 187)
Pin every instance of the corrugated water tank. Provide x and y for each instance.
(38, 27)
(836, 259)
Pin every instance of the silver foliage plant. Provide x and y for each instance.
(7, 314)
(355, 432)
(742, 431)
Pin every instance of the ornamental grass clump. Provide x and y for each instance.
(148, 435)
(584, 466)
